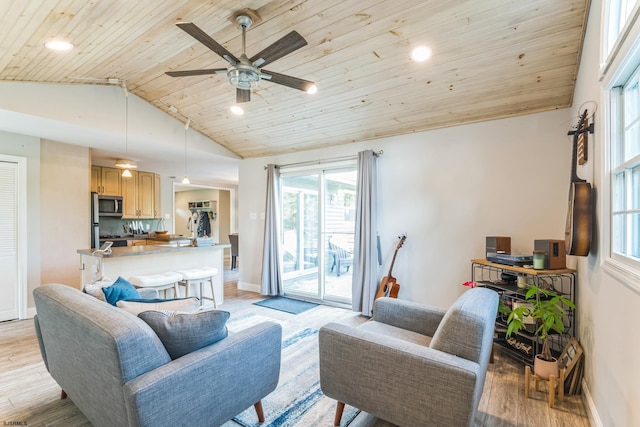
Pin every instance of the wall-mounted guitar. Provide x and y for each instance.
(577, 236)
(389, 287)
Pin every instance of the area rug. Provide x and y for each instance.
(288, 305)
(297, 400)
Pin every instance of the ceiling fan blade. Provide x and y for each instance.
(292, 82)
(196, 72)
(243, 95)
(194, 31)
(287, 44)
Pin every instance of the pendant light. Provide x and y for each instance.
(125, 163)
(185, 180)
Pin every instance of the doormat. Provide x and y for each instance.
(288, 305)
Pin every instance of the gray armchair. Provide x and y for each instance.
(413, 365)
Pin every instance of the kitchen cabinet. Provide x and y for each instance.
(106, 181)
(138, 196)
(146, 242)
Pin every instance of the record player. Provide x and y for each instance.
(509, 259)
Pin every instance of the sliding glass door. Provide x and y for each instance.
(318, 221)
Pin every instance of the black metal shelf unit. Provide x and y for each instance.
(525, 345)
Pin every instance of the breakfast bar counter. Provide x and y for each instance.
(152, 259)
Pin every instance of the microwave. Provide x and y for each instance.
(110, 206)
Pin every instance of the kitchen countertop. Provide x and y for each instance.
(147, 250)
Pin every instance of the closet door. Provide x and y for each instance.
(9, 284)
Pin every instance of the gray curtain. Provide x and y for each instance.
(365, 253)
(271, 276)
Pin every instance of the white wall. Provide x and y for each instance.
(64, 218)
(447, 189)
(607, 308)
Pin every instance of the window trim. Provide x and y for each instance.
(620, 65)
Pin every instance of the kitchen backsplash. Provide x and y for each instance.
(123, 227)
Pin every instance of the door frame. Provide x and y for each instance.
(21, 226)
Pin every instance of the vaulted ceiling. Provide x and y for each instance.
(490, 59)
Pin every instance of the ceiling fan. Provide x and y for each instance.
(244, 73)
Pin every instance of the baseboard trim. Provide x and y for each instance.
(592, 411)
(245, 286)
(31, 311)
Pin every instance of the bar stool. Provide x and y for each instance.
(198, 276)
(160, 281)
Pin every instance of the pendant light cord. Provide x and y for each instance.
(126, 123)
(186, 129)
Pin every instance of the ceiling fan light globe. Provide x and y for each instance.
(244, 76)
(313, 89)
(126, 173)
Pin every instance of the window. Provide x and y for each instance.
(621, 220)
(618, 13)
(625, 173)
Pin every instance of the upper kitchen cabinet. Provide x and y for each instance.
(139, 195)
(106, 181)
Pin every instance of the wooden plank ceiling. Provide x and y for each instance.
(491, 59)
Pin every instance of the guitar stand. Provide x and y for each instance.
(553, 384)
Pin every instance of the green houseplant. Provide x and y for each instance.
(547, 310)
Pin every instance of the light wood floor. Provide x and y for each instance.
(29, 395)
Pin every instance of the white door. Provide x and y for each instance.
(9, 279)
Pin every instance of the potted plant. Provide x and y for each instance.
(547, 309)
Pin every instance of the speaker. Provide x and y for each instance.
(499, 244)
(555, 257)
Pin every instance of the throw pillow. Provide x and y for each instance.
(121, 289)
(183, 333)
(95, 289)
(137, 306)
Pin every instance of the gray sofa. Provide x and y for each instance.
(118, 373)
(412, 365)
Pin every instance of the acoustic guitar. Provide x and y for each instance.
(389, 286)
(577, 236)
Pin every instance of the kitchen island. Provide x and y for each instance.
(153, 259)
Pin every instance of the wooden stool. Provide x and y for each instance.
(553, 383)
(199, 276)
(161, 281)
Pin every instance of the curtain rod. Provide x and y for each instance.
(334, 159)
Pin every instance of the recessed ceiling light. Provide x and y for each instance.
(59, 45)
(237, 110)
(312, 89)
(421, 53)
